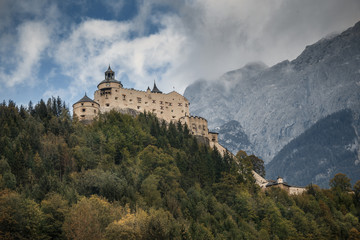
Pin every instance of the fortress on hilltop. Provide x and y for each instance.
(171, 107)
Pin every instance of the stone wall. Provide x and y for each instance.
(170, 107)
(197, 125)
(86, 111)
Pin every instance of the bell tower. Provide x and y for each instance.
(109, 74)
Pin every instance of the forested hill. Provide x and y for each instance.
(137, 178)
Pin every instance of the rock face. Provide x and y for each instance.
(276, 104)
(330, 146)
(232, 135)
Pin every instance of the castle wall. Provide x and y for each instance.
(197, 125)
(170, 107)
(296, 190)
(86, 111)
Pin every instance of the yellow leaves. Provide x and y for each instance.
(130, 226)
(89, 217)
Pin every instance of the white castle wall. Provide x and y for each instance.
(170, 107)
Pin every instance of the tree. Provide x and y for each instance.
(340, 182)
(20, 217)
(55, 209)
(357, 192)
(258, 165)
(89, 217)
(131, 226)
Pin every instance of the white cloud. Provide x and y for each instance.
(24, 44)
(196, 39)
(33, 39)
(93, 44)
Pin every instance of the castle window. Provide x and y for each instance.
(139, 100)
(83, 109)
(82, 104)
(124, 97)
(170, 104)
(116, 98)
(186, 105)
(115, 90)
(180, 104)
(108, 104)
(130, 100)
(162, 107)
(161, 102)
(94, 111)
(153, 101)
(154, 110)
(82, 116)
(138, 107)
(146, 102)
(182, 111)
(161, 112)
(92, 104)
(173, 116)
(172, 110)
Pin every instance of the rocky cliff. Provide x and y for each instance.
(276, 104)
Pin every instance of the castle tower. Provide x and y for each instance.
(86, 109)
(109, 80)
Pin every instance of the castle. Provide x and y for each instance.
(171, 107)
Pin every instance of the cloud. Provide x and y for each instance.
(174, 42)
(93, 44)
(33, 39)
(24, 44)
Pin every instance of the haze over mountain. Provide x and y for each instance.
(330, 146)
(276, 104)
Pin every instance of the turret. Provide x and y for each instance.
(109, 80)
(86, 109)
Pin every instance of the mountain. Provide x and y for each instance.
(274, 105)
(233, 136)
(330, 146)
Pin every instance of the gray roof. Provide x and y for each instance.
(85, 99)
(110, 81)
(155, 89)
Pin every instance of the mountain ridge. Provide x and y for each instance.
(276, 104)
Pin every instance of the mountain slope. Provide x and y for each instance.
(275, 105)
(233, 136)
(328, 147)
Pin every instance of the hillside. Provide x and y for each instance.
(276, 104)
(124, 177)
(330, 146)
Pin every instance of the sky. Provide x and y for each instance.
(62, 48)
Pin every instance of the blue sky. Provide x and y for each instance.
(62, 48)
